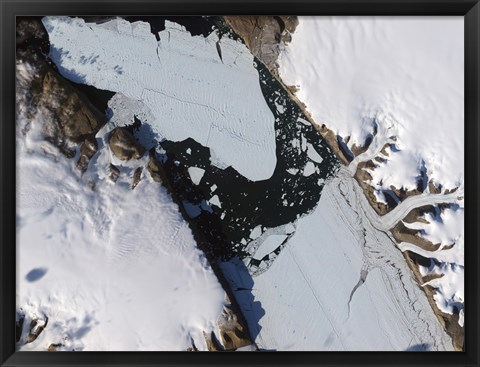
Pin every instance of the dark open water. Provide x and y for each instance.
(245, 204)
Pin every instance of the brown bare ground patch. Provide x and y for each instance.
(403, 194)
(357, 150)
(213, 345)
(415, 215)
(263, 34)
(434, 189)
(232, 331)
(401, 233)
(361, 176)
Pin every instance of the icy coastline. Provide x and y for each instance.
(168, 79)
(185, 85)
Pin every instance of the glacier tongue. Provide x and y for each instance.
(339, 284)
(180, 80)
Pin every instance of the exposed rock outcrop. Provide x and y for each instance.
(36, 327)
(54, 347)
(232, 332)
(124, 146)
(69, 117)
(20, 319)
(114, 173)
(137, 175)
(362, 178)
(154, 168)
(30, 33)
(87, 151)
(74, 117)
(213, 345)
(264, 35)
(401, 233)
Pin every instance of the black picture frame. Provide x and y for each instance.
(9, 9)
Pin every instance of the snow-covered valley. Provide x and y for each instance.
(116, 257)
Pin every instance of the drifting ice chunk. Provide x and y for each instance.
(313, 154)
(214, 200)
(256, 232)
(309, 169)
(196, 174)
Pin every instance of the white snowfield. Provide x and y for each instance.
(112, 268)
(196, 174)
(187, 87)
(407, 72)
(339, 284)
(445, 229)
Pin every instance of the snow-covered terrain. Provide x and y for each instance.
(189, 86)
(406, 76)
(405, 72)
(112, 268)
(339, 284)
(445, 229)
(332, 278)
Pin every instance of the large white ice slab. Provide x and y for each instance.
(188, 89)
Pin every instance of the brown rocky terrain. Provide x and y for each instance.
(72, 119)
(87, 151)
(74, 116)
(154, 167)
(264, 35)
(124, 146)
(401, 233)
(54, 347)
(35, 327)
(233, 333)
(362, 176)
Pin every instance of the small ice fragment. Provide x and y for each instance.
(256, 232)
(309, 169)
(214, 200)
(196, 174)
